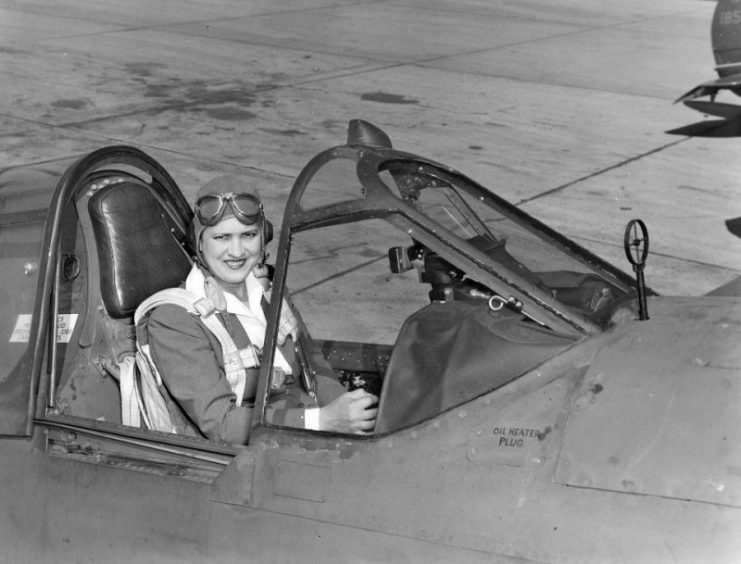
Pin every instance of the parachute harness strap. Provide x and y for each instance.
(235, 361)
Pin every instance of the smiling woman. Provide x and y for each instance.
(205, 395)
(230, 251)
(230, 232)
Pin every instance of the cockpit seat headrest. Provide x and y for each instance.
(138, 250)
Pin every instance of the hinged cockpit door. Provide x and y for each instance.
(24, 205)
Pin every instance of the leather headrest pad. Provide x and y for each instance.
(137, 252)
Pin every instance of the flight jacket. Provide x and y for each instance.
(199, 398)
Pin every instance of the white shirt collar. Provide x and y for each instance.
(250, 314)
(196, 284)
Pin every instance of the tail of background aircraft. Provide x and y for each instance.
(734, 226)
(726, 41)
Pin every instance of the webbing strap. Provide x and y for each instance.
(130, 408)
(155, 413)
(202, 307)
(177, 296)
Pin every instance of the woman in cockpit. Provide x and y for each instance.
(229, 234)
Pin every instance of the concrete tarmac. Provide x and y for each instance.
(564, 107)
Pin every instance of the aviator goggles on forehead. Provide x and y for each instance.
(211, 207)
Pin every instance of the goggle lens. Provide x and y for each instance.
(210, 208)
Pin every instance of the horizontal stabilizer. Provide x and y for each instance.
(734, 226)
(712, 87)
(727, 111)
(697, 92)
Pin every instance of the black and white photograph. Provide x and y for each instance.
(370, 281)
